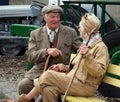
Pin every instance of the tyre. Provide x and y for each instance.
(112, 41)
(12, 51)
(73, 13)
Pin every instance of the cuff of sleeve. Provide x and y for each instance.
(86, 55)
(46, 54)
(62, 68)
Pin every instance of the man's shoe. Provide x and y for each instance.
(8, 100)
(22, 98)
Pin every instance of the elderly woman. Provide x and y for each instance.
(51, 84)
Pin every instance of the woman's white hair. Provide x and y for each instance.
(90, 22)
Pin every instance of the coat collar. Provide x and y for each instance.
(44, 36)
(94, 38)
(95, 42)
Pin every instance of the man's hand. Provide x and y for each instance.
(54, 52)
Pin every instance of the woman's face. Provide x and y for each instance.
(81, 30)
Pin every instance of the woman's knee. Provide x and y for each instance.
(25, 85)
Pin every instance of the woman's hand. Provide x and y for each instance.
(54, 67)
(83, 49)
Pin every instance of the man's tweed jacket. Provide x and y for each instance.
(39, 42)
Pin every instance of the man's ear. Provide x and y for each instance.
(44, 18)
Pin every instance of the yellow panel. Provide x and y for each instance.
(114, 69)
(83, 99)
(94, 99)
(112, 81)
(72, 99)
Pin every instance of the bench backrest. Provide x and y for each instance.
(112, 76)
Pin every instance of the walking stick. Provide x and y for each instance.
(46, 63)
(71, 81)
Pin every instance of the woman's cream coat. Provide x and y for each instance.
(93, 65)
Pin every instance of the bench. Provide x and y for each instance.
(110, 86)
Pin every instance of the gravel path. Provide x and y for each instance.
(13, 68)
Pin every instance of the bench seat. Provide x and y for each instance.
(83, 99)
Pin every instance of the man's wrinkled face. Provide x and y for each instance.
(52, 20)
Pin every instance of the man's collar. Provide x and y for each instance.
(49, 30)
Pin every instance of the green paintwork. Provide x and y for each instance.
(22, 29)
(29, 66)
(115, 58)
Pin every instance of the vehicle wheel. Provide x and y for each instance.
(71, 24)
(22, 52)
(109, 26)
(10, 51)
(1, 53)
(112, 40)
(73, 13)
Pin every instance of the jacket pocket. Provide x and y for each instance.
(67, 47)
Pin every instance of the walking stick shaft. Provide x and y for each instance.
(70, 83)
(46, 63)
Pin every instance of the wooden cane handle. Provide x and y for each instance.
(47, 61)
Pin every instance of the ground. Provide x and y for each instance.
(13, 69)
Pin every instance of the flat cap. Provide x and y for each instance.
(51, 8)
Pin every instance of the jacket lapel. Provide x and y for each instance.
(61, 37)
(45, 37)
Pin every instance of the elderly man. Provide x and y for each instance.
(52, 39)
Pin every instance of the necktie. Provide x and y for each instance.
(51, 35)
